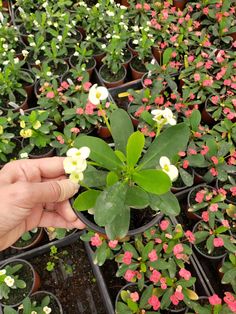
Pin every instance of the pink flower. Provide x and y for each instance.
(218, 242)
(157, 240)
(185, 274)
(179, 295)
(147, 82)
(190, 236)
(127, 258)
(138, 6)
(185, 164)
(213, 207)
(192, 151)
(181, 154)
(228, 297)
(174, 299)
(207, 82)
(200, 196)
(215, 160)
(112, 244)
(214, 172)
(65, 85)
(159, 100)
(197, 77)
(146, 7)
(60, 139)
(129, 275)
(153, 255)
(134, 296)
(233, 190)
(178, 248)
(164, 225)
(75, 130)
(79, 110)
(165, 247)
(50, 95)
(214, 300)
(89, 108)
(205, 10)
(205, 216)
(232, 306)
(154, 302)
(86, 86)
(96, 240)
(191, 58)
(205, 150)
(225, 223)
(155, 276)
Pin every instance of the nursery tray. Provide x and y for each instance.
(78, 290)
(11, 253)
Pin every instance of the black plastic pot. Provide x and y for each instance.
(114, 83)
(35, 240)
(39, 295)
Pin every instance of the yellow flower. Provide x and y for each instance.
(37, 125)
(22, 124)
(26, 133)
(1, 129)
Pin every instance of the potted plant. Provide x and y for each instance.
(38, 302)
(18, 280)
(229, 186)
(228, 271)
(213, 238)
(28, 239)
(36, 133)
(119, 189)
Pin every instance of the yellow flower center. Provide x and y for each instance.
(1, 129)
(166, 168)
(98, 95)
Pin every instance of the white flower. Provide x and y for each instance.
(43, 48)
(96, 94)
(158, 115)
(110, 13)
(1, 17)
(34, 312)
(136, 28)
(76, 177)
(20, 307)
(32, 44)
(49, 73)
(83, 152)
(16, 60)
(123, 7)
(116, 36)
(59, 37)
(168, 115)
(97, 5)
(5, 62)
(108, 36)
(37, 62)
(47, 310)
(2, 272)
(135, 41)
(103, 46)
(25, 53)
(9, 281)
(55, 24)
(76, 54)
(24, 155)
(169, 169)
(45, 4)
(5, 46)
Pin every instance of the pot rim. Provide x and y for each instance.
(119, 80)
(50, 294)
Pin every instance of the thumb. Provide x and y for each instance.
(51, 191)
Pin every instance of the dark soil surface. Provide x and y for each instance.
(77, 291)
(138, 65)
(122, 102)
(22, 243)
(108, 76)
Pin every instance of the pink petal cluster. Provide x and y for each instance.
(129, 275)
(154, 302)
(153, 255)
(218, 242)
(164, 224)
(112, 244)
(214, 300)
(134, 296)
(155, 276)
(185, 274)
(96, 240)
(127, 258)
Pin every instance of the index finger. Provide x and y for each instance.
(27, 169)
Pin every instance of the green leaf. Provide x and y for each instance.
(120, 120)
(186, 177)
(168, 143)
(167, 55)
(101, 152)
(132, 305)
(86, 200)
(153, 181)
(209, 244)
(165, 300)
(27, 305)
(100, 255)
(129, 247)
(229, 276)
(9, 310)
(121, 308)
(110, 203)
(201, 236)
(136, 197)
(228, 243)
(134, 148)
(20, 284)
(119, 227)
(195, 120)
(145, 296)
(166, 203)
(147, 249)
(112, 178)
(94, 177)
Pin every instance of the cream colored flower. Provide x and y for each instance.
(37, 125)
(25, 53)
(169, 169)
(158, 115)
(26, 133)
(83, 152)
(97, 93)
(9, 281)
(22, 124)
(76, 177)
(47, 310)
(2, 272)
(74, 164)
(168, 115)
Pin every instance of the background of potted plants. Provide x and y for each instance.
(175, 62)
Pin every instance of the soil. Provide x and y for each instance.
(89, 63)
(108, 76)
(58, 69)
(121, 102)
(16, 296)
(77, 291)
(138, 65)
(53, 303)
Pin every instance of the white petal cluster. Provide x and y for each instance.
(75, 163)
(47, 310)
(9, 281)
(97, 93)
(169, 169)
(163, 116)
(2, 272)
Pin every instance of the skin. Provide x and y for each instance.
(34, 193)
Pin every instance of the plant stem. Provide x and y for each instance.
(105, 118)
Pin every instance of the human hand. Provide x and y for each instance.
(35, 193)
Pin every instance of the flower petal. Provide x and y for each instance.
(173, 173)
(72, 152)
(84, 152)
(164, 161)
(104, 92)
